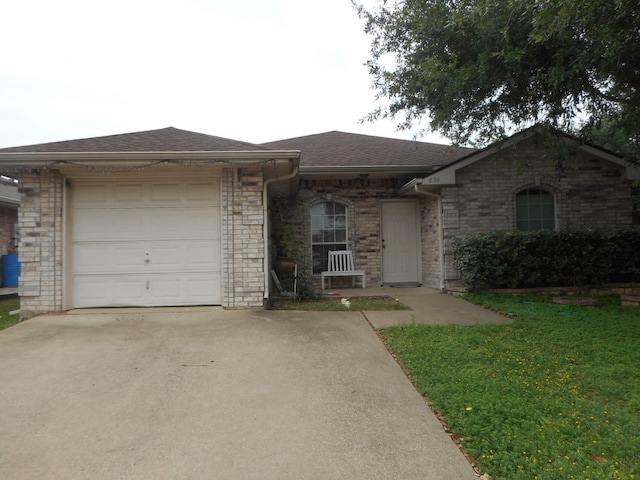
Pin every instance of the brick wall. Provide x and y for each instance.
(242, 238)
(363, 201)
(40, 220)
(40, 247)
(430, 235)
(590, 193)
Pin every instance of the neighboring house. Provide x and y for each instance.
(9, 203)
(170, 217)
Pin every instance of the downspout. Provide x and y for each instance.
(440, 230)
(265, 223)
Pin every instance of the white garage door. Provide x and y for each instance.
(146, 243)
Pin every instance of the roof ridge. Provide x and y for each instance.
(158, 140)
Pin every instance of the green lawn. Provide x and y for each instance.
(554, 395)
(8, 304)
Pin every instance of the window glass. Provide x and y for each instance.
(328, 232)
(535, 210)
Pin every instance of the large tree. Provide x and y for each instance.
(480, 69)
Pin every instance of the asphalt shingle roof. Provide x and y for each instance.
(330, 149)
(163, 140)
(339, 149)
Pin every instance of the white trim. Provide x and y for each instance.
(632, 171)
(350, 217)
(110, 159)
(441, 257)
(446, 176)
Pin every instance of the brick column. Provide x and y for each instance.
(242, 239)
(40, 247)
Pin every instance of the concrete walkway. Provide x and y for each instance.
(428, 306)
(205, 393)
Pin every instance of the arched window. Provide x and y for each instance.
(535, 210)
(328, 232)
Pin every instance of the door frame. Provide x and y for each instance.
(418, 232)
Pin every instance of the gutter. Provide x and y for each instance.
(416, 187)
(265, 223)
(125, 159)
(9, 201)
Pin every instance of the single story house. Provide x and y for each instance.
(171, 217)
(9, 203)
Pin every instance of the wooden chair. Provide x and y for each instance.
(341, 265)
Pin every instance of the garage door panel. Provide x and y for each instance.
(140, 223)
(127, 193)
(196, 222)
(89, 194)
(202, 289)
(204, 223)
(138, 290)
(91, 291)
(146, 243)
(91, 258)
(128, 290)
(203, 192)
(165, 192)
(131, 257)
(108, 225)
(166, 289)
(203, 256)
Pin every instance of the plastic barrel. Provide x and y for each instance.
(10, 271)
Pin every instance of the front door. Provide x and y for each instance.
(400, 242)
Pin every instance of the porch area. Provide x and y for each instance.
(428, 306)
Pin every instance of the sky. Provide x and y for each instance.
(250, 70)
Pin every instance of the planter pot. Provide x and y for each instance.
(284, 265)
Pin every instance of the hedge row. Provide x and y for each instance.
(548, 258)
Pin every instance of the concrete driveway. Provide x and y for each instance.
(205, 393)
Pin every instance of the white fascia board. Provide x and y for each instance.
(124, 159)
(346, 170)
(9, 201)
(633, 171)
(409, 187)
(447, 175)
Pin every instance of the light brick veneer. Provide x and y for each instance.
(363, 201)
(40, 247)
(590, 193)
(242, 238)
(41, 223)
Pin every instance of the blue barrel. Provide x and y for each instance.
(10, 271)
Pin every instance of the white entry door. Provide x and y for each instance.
(145, 242)
(400, 242)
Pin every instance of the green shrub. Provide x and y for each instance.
(548, 258)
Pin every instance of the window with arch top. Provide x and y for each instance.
(328, 232)
(535, 210)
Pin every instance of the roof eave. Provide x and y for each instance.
(632, 171)
(346, 170)
(43, 159)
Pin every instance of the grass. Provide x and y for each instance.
(336, 304)
(554, 395)
(8, 304)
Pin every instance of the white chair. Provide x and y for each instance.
(341, 265)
